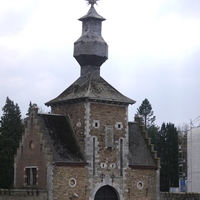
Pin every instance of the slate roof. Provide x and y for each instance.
(92, 13)
(91, 87)
(60, 137)
(139, 153)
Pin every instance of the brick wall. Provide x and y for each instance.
(31, 154)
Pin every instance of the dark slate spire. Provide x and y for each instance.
(90, 50)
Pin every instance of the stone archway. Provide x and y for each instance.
(106, 193)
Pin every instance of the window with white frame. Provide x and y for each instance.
(119, 126)
(96, 124)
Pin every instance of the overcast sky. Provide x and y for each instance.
(154, 52)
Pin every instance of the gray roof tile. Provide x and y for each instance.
(139, 153)
(91, 87)
(60, 137)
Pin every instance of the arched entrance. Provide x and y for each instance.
(106, 193)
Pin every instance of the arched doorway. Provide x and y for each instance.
(106, 193)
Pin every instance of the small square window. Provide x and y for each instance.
(96, 124)
(119, 126)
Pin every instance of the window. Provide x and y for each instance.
(31, 176)
(31, 145)
(94, 144)
(140, 185)
(119, 126)
(96, 124)
(121, 157)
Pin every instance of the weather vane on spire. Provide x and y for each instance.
(92, 2)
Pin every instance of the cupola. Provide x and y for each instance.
(90, 50)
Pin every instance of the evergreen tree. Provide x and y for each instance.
(153, 132)
(168, 152)
(146, 112)
(11, 129)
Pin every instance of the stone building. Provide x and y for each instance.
(86, 149)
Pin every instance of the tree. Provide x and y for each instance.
(153, 133)
(11, 129)
(183, 129)
(145, 110)
(168, 152)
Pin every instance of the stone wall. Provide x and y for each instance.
(142, 184)
(102, 131)
(69, 182)
(179, 196)
(23, 194)
(16, 194)
(108, 129)
(108, 116)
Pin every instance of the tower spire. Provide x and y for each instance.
(92, 2)
(90, 50)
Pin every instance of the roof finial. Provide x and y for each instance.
(92, 2)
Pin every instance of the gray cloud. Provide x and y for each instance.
(44, 70)
(12, 22)
(184, 8)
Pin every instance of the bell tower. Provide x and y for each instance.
(98, 112)
(90, 50)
